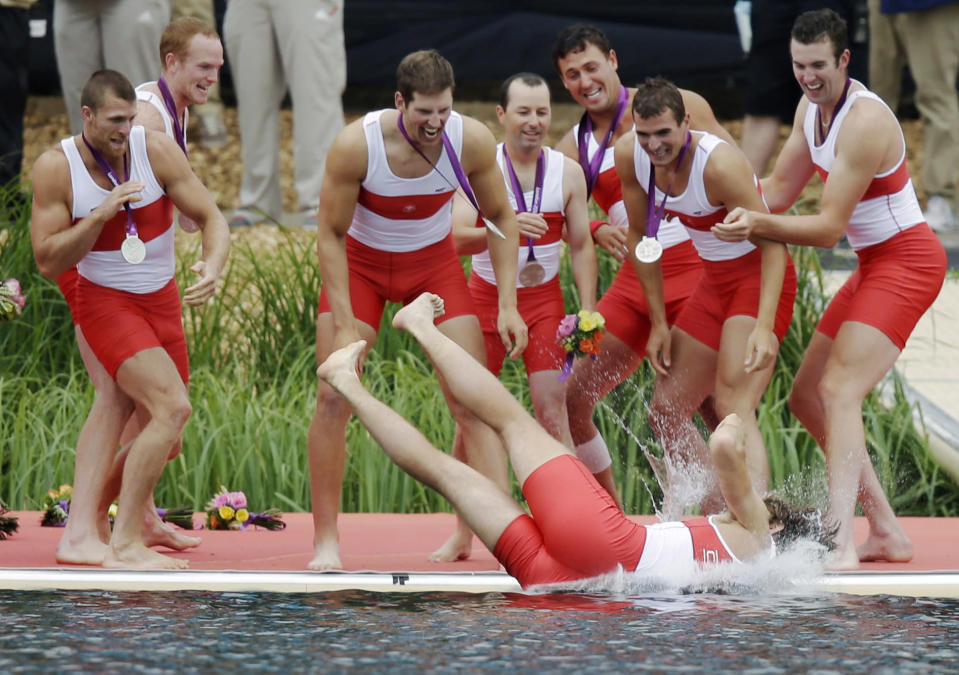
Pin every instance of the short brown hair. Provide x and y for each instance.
(177, 35)
(105, 82)
(423, 72)
(577, 38)
(821, 24)
(657, 94)
(529, 79)
(806, 524)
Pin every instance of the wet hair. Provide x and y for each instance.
(821, 24)
(102, 83)
(656, 95)
(577, 38)
(529, 79)
(178, 34)
(799, 524)
(423, 72)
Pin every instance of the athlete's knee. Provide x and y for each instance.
(330, 406)
(803, 400)
(175, 450)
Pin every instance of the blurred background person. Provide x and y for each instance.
(206, 119)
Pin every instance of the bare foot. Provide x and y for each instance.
(893, 547)
(730, 430)
(340, 366)
(88, 551)
(457, 547)
(139, 557)
(326, 556)
(843, 559)
(421, 311)
(157, 533)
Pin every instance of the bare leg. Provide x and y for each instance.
(475, 388)
(475, 443)
(327, 453)
(149, 377)
(483, 505)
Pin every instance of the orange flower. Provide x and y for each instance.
(587, 346)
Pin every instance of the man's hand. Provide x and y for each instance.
(736, 226)
(511, 325)
(611, 239)
(658, 348)
(531, 225)
(123, 193)
(761, 348)
(201, 292)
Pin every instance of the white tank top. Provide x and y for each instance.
(692, 207)
(552, 207)
(143, 94)
(889, 205)
(404, 214)
(153, 215)
(669, 552)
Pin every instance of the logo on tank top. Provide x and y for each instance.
(409, 208)
(710, 556)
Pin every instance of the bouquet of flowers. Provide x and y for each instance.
(228, 511)
(182, 518)
(12, 300)
(580, 334)
(8, 524)
(56, 507)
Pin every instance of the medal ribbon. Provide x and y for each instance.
(518, 189)
(111, 174)
(839, 105)
(591, 166)
(653, 215)
(178, 131)
(454, 161)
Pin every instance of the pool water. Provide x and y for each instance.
(73, 631)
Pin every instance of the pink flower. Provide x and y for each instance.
(566, 326)
(12, 300)
(237, 500)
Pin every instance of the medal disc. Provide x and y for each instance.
(532, 274)
(187, 224)
(649, 250)
(133, 250)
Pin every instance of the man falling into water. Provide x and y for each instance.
(384, 233)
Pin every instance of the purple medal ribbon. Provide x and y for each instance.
(111, 174)
(653, 215)
(178, 126)
(518, 189)
(591, 166)
(454, 161)
(839, 105)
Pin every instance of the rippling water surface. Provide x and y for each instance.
(452, 632)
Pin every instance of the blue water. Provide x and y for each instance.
(450, 632)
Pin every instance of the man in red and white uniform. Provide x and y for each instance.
(587, 66)
(128, 311)
(552, 197)
(574, 529)
(851, 138)
(384, 234)
(726, 337)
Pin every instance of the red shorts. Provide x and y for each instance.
(576, 530)
(68, 286)
(541, 308)
(118, 324)
(624, 307)
(377, 276)
(896, 282)
(731, 288)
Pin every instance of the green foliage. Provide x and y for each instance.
(253, 390)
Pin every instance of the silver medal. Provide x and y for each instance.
(133, 250)
(649, 250)
(532, 274)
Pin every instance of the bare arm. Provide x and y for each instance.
(581, 250)
(650, 274)
(469, 233)
(479, 163)
(793, 167)
(58, 243)
(345, 171)
(702, 118)
(192, 198)
(730, 181)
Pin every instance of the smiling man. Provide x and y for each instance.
(384, 234)
(847, 135)
(589, 69)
